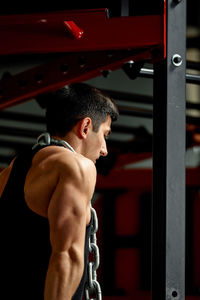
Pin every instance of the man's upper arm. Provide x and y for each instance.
(67, 212)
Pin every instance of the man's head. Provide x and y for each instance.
(68, 105)
(81, 104)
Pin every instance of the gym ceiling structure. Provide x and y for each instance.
(148, 216)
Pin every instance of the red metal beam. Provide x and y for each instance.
(85, 35)
(85, 30)
(73, 67)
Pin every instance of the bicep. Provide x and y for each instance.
(67, 216)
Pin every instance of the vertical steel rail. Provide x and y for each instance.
(168, 208)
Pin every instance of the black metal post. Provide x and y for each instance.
(168, 209)
(124, 8)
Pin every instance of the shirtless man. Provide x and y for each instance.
(53, 185)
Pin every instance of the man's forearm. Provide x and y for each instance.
(63, 276)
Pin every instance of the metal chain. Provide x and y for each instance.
(92, 287)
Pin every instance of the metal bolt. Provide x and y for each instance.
(177, 60)
(38, 78)
(105, 73)
(64, 68)
(174, 294)
(82, 61)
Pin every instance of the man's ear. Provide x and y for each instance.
(84, 126)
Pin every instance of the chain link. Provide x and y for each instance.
(92, 287)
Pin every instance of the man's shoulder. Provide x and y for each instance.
(77, 164)
(76, 169)
(65, 161)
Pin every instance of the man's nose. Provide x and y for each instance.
(104, 150)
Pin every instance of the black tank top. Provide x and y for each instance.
(24, 241)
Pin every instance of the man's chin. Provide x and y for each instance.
(93, 160)
(96, 160)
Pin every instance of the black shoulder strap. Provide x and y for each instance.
(23, 162)
(15, 183)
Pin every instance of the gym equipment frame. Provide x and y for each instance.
(84, 44)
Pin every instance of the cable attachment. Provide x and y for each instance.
(43, 140)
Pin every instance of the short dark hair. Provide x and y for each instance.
(66, 106)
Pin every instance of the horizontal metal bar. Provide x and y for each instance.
(127, 129)
(192, 105)
(124, 110)
(192, 78)
(149, 73)
(193, 42)
(194, 65)
(138, 131)
(30, 133)
(143, 99)
(193, 120)
(16, 145)
(134, 111)
(130, 97)
(22, 117)
(146, 73)
(13, 131)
